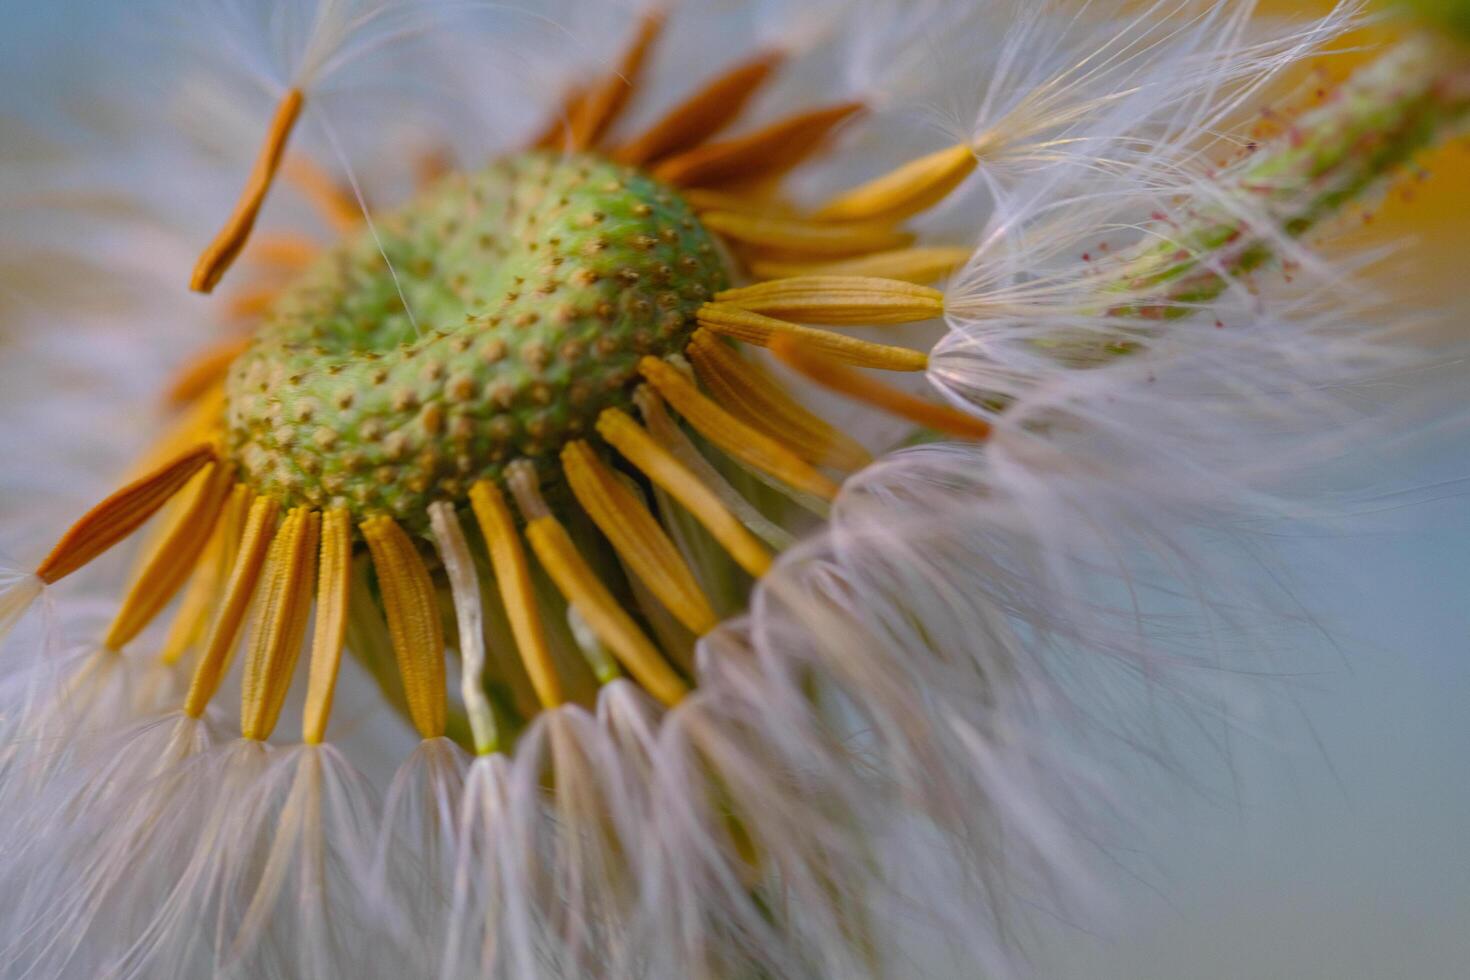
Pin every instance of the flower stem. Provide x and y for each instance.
(1412, 97)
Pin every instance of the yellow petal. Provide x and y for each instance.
(756, 328)
(206, 589)
(838, 300)
(905, 191)
(513, 580)
(660, 466)
(746, 390)
(636, 536)
(734, 437)
(413, 623)
(613, 626)
(279, 623)
(224, 634)
(334, 577)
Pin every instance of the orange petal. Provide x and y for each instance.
(703, 114)
(121, 514)
(174, 559)
(221, 253)
(596, 111)
(768, 152)
(204, 370)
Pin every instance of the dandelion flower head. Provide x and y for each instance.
(715, 449)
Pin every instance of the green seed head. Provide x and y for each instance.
(535, 286)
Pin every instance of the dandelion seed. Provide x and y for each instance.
(684, 664)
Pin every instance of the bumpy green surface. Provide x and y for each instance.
(537, 284)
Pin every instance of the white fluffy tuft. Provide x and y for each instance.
(18, 590)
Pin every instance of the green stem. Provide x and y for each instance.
(1412, 97)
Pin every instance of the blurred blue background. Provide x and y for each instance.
(1347, 852)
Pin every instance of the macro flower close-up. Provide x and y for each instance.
(688, 488)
